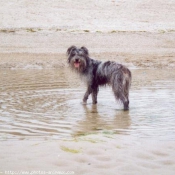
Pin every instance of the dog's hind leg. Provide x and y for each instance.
(120, 86)
(119, 95)
(126, 104)
(126, 85)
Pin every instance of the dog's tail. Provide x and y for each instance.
(121, 82)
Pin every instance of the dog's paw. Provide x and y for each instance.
(94, 102)
(84, 103)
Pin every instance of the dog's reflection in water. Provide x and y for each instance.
(98, 120)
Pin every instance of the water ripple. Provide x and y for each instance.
(45, 104)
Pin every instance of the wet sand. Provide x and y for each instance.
(44, 127)
(95, 154)
(41, 50)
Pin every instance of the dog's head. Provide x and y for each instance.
(78, 58)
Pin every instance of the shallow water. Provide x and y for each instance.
(46, 104)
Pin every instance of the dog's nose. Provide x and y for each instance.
(76, 60)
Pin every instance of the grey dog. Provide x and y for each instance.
(97, 73)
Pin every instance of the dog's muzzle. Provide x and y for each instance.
(77, 63)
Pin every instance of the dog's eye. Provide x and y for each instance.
(73, 54)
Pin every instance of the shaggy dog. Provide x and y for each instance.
(97, 73)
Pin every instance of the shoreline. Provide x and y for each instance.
(35, 50)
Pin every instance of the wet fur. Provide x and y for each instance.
(97, 73)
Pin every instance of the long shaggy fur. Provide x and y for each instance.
(99, 73)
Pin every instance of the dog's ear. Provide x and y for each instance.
(85, 50)
(70, 49)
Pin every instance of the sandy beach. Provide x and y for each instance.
(35, 35)
(94, 154)
(135, 49)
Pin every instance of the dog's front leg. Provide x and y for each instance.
(86, 95)
(94, 95)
